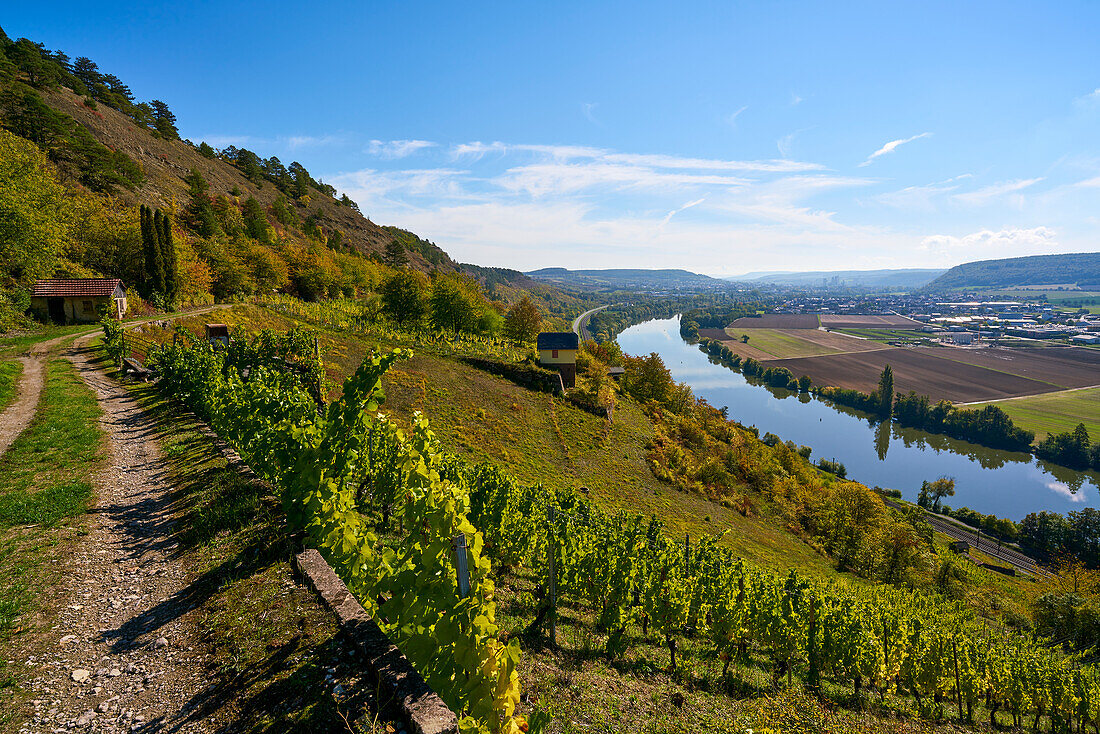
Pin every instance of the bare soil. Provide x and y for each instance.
(917, 371)
(777, 321)
(1065, 366)
(868, 321)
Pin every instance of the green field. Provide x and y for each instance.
(1054, 412)
(779, 344)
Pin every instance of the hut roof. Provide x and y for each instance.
(558, 340)
(75, 287)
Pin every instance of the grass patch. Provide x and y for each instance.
(21, 343)
(278, 653)
(1056, 412)
(10, 370)
(45, 489)
(778, 344)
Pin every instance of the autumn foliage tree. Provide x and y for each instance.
(523, 321)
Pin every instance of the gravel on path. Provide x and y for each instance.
(127, 655)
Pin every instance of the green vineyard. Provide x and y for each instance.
(385, 505)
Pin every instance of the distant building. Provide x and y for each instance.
(1085, 339)
(558, 351)
(77, 300)
(962, 337)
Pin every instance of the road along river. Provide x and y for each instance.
(1002, 483)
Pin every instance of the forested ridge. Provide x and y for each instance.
(1082, 269)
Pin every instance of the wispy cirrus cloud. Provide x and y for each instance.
(921, 198)
(393, 149)
(892, 146)
(987, 194)
(533, 205)
(731, 119)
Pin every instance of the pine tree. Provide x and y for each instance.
(165, 120)
(395, 255)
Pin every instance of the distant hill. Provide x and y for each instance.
(1082, 269)
(899, 278)
(628, 278)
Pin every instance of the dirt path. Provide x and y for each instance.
(126, 656)
(20, 413)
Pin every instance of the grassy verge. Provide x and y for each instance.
(9, 378)
(45, 489)
(1056, 412)
(280, 661)
(13, 344)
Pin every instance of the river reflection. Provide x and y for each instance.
(1008, 484)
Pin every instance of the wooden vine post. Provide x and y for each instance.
(552, 583)
(462, 569)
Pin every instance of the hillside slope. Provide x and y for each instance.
(167, 163)
(628, 278)
(1081, 268)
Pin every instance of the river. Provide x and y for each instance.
(1003, 483)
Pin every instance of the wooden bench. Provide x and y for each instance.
(137, 369)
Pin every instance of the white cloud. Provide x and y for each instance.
(785, 143)
(710, 164)
(1089, 100)
(987, 194)
(795, 99)
(674, 212)
(542, 179)
(892, 146)
(920, 197)
(1064, 489)
(731, 119)
(988, 244)
(310, 141)
(1089, 183)
(391, 149)
(589, 110)
(476, 150)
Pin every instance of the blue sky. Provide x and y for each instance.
(719, 137)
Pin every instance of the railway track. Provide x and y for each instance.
(981, 543)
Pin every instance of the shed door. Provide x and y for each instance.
(56, 308)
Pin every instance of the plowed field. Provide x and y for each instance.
(1064, 366)
(777, 321)
(867, 321)
(914, 370)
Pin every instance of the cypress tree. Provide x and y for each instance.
(154, 263)
(151, 280)
(168, 258)
(885, 392)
